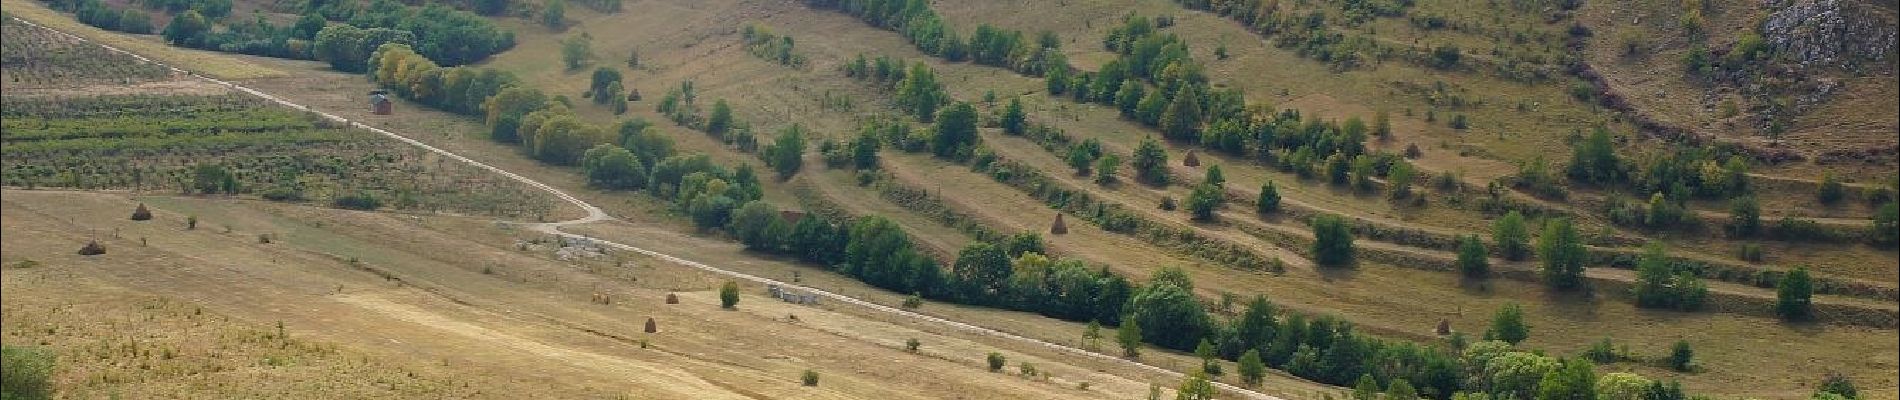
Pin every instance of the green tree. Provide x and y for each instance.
(1575, 380)
(1252, 370)
(956, 130)
(1196, 387)
(188, 29)
(576, 50)
(1182, 119)
(1511, 237)
(613, 167)
(1400, 389)
(1744, 217)
(1150, 163)
(1382, 125)
(1399, 179)
(1106, 167)
(1594, 159)
(1269, 201)
(1210, 362)
(729, 295)
(1204, 201)
(1366, 388)
(1128, 335)
(554, 14)
(721, 119)
(1332, 241)
(982, 270)
(26, 373)
(1014, 122)
(996, 361)
(1168, 301)
(864, 151)
(1794, 296)
(1508, 325)
(1563, 254)
(1886, 230)
(786, 154)
(1681, 356)
(752, 224)
(1831, 190)
(1255, 328)
(601, 87)
(1214, 177)
(1472, 257)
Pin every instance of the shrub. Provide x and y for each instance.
(1744, 217)
(912, 345)
(1563, 254)
(1472, 261)
(996, 361)
(25, 373)
(1508, 325)
(1831, 191)
(1027, 369)
(729, 295)
(1681, 356)
(1835, 384)
(1601, 352)
(1794, 296)
(1167, 203)
(1751, 252)
(913, 301)
(810, 378)
(1269, 201)
(361, 201)
(1511, 236)
(1886, 230)
(1251, 368)
(1332, 244)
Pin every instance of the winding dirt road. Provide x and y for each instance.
(595, 214)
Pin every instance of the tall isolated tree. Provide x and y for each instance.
(1269, 201)
(1511, 236)
(956, 130)
(786, 154)
(1472, 257)
(1252, 369)
(1563, 254)
(1332, 241)
(1794, 296)
(1128, 336)
(1508, 325)
(1014, 122)
(1150, 163)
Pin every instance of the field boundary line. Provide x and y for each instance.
(595, 214)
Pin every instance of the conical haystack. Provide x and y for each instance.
(1058, 228)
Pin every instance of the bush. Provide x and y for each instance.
(1681, 356)
(1511, 236)
(1835, 384)
(810, 378)
(25, 373)
(1794, 296)
(1472, 261)
(1751, 252)
(1508, 325)
(361, 201)
(996, 361)
(1831, 191)
(1601, 352)
(912, 345)
(729, 295)
(1332, 244)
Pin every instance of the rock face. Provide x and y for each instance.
(1831, 33)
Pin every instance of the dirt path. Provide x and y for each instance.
(595, 214)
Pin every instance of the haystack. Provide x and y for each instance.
(672, 298)
(141, 213)
(92, 248)
(652, 327)
(1058, 228)
(1191, 160)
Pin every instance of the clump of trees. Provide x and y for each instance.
(1659, 284)
(1332, 244)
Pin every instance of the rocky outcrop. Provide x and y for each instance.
(1831, 33)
